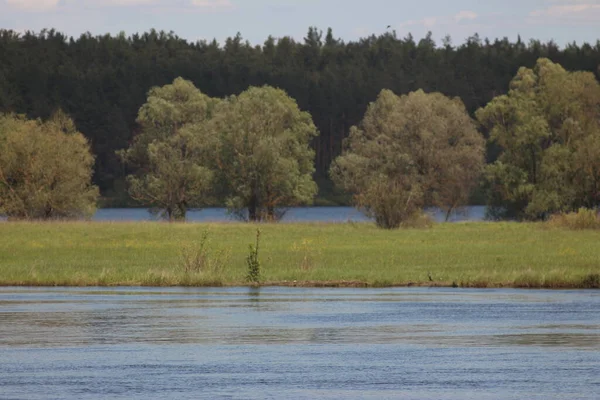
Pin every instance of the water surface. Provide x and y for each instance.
(296, 214)
(241, 343)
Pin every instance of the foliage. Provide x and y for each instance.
(262, 155)
(103, 80)
(582, 219)
(45, 169)
(409, 152)
(546, 128)
(252, 261)
(170, 152)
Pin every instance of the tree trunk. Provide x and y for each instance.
(182, 212)
(271, 213)
(448, 214)
(252, 209)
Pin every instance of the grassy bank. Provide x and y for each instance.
(149, 254)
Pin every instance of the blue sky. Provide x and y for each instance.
(561, 20)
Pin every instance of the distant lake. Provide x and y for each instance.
(299, 214)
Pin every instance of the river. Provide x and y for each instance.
(297, 343)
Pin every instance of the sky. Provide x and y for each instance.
(563, 21)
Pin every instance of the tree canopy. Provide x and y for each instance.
(45, 169)
(548, 131)
(408, 152)
(250, 151)
(170, 153)
(263, 158)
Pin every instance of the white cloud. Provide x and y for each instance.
(570, 11)
(465, 15)
(125, 2)
(33, 5)
(430, 22)
(213, 5)
(153, 5)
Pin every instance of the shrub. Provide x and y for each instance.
(252, 261)
(583, 219)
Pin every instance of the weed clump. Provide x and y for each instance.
(252, 262)
(584, 218)
(591, 281)
(307, 253)
(198, 259)
(419, 220)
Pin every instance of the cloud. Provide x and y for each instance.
(125, 2)
(33, 5)
(430, 22)
(164, 5)
(567, 12)
(465, 15)
(212, 5)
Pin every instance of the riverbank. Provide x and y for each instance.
(310, 254)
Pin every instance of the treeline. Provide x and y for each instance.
(252, 152)
(102, 81)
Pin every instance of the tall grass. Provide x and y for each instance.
(580, 220)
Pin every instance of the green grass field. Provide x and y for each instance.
(150, 254)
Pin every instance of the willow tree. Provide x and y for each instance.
(410, 152)
(262, 157)
(45, 169)
(548, 130)
(170, 154)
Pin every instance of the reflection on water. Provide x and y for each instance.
(135, 343)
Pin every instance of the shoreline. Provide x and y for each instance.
(317, 285)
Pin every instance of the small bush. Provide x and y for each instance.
(580, 220)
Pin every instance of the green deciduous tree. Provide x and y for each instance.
(170, 153)
(45, 169)
(409, 152)
(262, 154)
(547, 129)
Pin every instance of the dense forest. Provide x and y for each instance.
(102, 81)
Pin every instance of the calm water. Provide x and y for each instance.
(278, 343)
(298, 214)
(306, 214)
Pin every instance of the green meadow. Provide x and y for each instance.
(349, 254)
